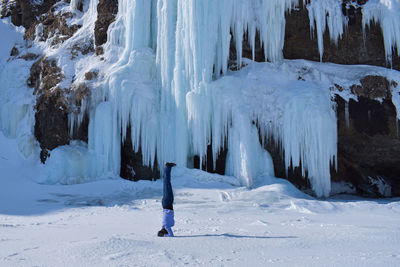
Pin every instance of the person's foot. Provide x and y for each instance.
(170, 164)
(162, 232)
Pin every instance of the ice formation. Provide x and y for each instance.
(165, 74)
(326, 14)
(171, 101)
(16, 101)
(387, 14)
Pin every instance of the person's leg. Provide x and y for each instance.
(168, 195)
(167, 203)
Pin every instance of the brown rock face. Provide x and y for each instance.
(29, 15)
(368, 141)
(25, 13)
(51, 121)
(373, 87)
(53, 105)
(45, 75)
(106, 11)
(51, 118)
(22, 13)
(53, 26)
(132, 167)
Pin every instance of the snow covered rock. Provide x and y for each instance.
(106, 12)
(22, 13)
(6, 7)
(51, 118)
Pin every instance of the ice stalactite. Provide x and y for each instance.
(386, 13)
(165, 62)
(312, 143)
(246, 159)
(326, 14)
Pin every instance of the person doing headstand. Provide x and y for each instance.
(167, 203)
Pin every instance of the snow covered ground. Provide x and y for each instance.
(114, 222)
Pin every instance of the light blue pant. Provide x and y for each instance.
(168, 221)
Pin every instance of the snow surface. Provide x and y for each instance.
(114, 222)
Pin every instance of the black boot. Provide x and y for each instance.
(162, 232)
(170, 164)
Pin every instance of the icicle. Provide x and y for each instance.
(386, 13)
(74, 4)
(310, 140)
(246, 159)
(322, 12)
(346, 114)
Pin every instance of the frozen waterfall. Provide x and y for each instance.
(164, 74)
(172, 102)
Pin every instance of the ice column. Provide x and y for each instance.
(272, 22)
(130, 91)
(309, 140)
(165, 61)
